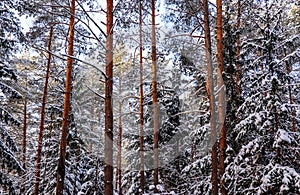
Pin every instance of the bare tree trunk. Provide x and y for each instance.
(108, 143)
(24, 142)
(142, 178)
(40, 138)
(221, 95)
(61, 170)
(155, 100)
(211, 97)
(238, 51)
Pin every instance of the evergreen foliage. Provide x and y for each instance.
(261, 76)
(263, 132)
(10, 36)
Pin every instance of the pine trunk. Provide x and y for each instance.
(61, 170)
(221, 96)
(40, 137)
(142, 178)
(108, 143)
(211, 97)
(155, 100)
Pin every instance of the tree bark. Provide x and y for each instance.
(142, 178)
(211, 97)
(40, 137)
(108, 143)
(155, 100)
(61, 170)
(221, 95)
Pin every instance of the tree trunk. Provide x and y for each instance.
(24, 143)
(238, 51)
(142, 178)
(108, 143)
(155, 101)
(61, 170)
(211, 97)
(40, 138)
(221, 95)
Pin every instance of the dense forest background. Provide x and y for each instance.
(143, 97)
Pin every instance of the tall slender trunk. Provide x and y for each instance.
(238, 51)
(211, 97)
(24, 143)
(119, 157)
(221, 95)
(108, 143)
(61, 170)
(42, 121)
(155, 100)
(142, 178)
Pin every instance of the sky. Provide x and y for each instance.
(26, 22)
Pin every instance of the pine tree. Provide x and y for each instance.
(211, 97)
(155, 101)
(61, 169)
(10, 36)
(263, 162)
(39, 151)
(108, 143)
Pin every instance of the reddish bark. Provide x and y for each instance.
(40, 137)
(221, 95)
(61, 170)
(108, 142)
(155, 100)
(210, 94)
